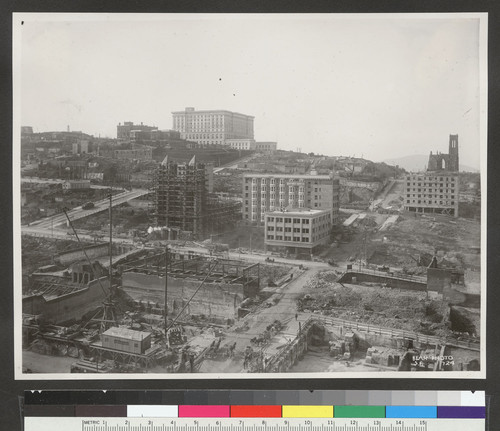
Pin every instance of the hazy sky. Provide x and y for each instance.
(355, 85)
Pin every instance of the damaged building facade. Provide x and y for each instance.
(59, 298)
(445, 162)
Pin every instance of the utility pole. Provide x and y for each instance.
(111, 241)
(166, 286)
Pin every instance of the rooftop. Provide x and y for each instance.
(433, 174)
(299, 212)
(210, 111)
(289, 176)
(129, 334)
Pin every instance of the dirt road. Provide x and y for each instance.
(284, 311)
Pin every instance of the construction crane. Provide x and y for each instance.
(108, 311)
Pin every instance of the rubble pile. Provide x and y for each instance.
(375, 305)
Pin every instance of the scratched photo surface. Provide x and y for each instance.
(224, 195)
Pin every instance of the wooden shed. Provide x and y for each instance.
(126, 340)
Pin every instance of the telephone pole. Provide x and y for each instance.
(166, 287)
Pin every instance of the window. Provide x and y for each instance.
(305, 230)
(270, 236)
(288, 229)
(288, 220)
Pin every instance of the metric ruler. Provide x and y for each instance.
(250, 424)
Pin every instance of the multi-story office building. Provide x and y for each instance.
(212, 127)
(274, 192)
(297, 231)
(432, 193)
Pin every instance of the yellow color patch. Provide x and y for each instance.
(307, 411)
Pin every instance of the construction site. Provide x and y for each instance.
(388, 290)
(192, 309)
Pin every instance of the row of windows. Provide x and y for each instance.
(447, 190)
(287, 229)
(430, 202)
(431, 179)
(204, 136)
(427, 196)
(295, 182)
(288, 238)
(288, 220)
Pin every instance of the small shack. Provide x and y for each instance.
(126, 340)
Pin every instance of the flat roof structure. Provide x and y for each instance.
(298, 212)
(211, 111)
(289, 176)
(129, 334)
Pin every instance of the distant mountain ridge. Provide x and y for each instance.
(418, 162)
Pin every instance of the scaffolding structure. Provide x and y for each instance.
(179, 194)
(180, 200)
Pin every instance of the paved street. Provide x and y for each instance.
(79, 212)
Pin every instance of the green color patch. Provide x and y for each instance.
(359, 412)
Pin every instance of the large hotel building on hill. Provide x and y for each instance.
(212, 127)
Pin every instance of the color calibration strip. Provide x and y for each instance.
(257, 397)
(264, 411)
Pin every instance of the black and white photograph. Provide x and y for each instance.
(244, 196)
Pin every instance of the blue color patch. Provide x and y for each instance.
(419, 412)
